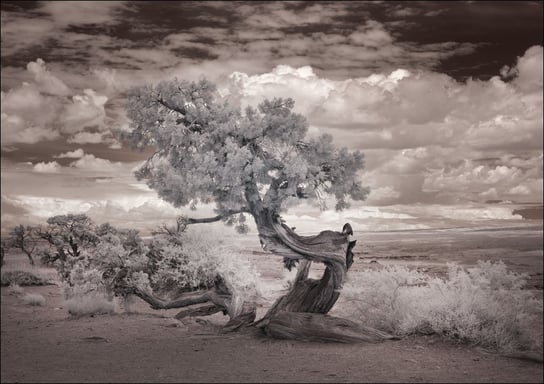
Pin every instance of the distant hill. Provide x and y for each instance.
(530, 213)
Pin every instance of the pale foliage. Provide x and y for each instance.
(89, 304)
(34, 299)
(175, 260)
(15, 289)
(484, 305)
(210, 150)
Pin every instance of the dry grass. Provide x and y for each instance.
(17, 270)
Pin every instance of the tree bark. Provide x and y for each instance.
(301, 314)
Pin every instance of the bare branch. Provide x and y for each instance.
(170, 107)
(215, 218)
(184, 300)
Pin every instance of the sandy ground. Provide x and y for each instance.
(44, 344)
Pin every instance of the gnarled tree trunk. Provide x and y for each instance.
(302, 312)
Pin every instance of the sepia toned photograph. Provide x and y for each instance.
(272, 191)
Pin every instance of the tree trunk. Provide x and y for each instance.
(302, 312)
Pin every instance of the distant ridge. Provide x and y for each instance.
(530, 213)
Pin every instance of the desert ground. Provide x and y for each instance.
(137, 344)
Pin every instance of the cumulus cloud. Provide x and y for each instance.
(144, 212)
(528, 70)
(86, 138)
(43, 167)
(47, 82)
(489, 181)
(40, 110)
(89, 162)
(76, 154)
(422, 131)
(84, 111)
(372, 34)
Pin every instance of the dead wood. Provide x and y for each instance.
(319, 327)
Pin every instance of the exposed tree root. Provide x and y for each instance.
(320, 327)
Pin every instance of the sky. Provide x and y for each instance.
(443, 98)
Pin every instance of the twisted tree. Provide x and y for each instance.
(257, 162)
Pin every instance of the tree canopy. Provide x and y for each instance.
(209, 149)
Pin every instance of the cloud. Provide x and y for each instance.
(45, 80)
(383, 195)
(372, 34)
(489, 181)
(277, 15)
(89, 162)
(86, 138)
(76, 154)
(84, 111)
(43, 167)
(144, 212)
(28, 115)
(48, 23)
(19, 34)
(422, 131)
(528, 70)
(40, 110)
(76, 13)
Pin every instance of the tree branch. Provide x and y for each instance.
(184, 300)
(215, 218)
(166, 105)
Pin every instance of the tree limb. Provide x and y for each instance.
(215, 218)
(172, 108)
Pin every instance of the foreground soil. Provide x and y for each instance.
(44, 344)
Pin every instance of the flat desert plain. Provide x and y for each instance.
(44, 344)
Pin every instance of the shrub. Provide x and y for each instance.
(89, 304)
(15, 289)
(485, 305)
(23, 278)
(34, 299)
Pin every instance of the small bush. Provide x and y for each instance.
(22, 278)
(89, 305)
(485, 305)
(15, 289)
(34, 299)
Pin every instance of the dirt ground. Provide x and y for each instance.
(43, 344)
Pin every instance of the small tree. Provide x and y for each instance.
(23, 238)
(257, 162)
(5, 245)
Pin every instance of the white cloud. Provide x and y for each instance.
(39, 110)
(86, 138)
(520, 190)
(421, 130)
(75, 13)
(89, 162)
(45, 80)
(383, 195)
(84, 111)
(28, 115)
(372, 34)
(43, 167)
(44, 207)
(76, 154)
(529, 68)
